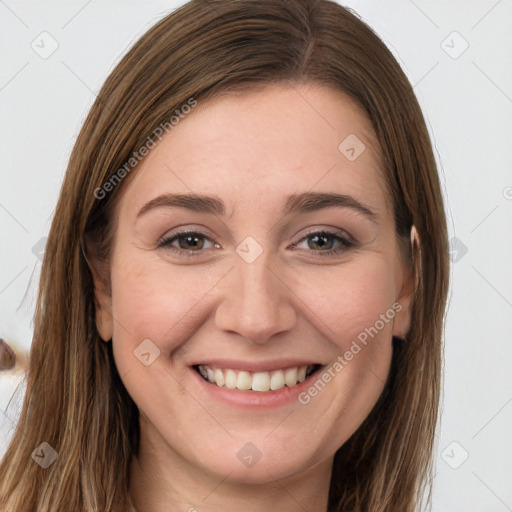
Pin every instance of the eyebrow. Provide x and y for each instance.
(295, 204)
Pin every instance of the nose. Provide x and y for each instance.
(257, 302)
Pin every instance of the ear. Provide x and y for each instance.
(102, 293)
(411, 272)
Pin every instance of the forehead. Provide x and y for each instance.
(252, 148)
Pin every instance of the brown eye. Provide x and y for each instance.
(322, 241)
(188, 243)
(325, 243)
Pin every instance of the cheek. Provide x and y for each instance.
(353, 308)
(163, 302)
(155, 300)
(350, 299)
(152, 300)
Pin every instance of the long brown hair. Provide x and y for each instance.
(75, 400)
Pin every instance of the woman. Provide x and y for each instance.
(242, 297)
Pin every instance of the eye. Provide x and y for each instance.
(187, 242)
(325, 243)
(191, 243)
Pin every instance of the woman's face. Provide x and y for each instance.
(255, 244)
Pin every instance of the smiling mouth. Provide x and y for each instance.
(256, 381)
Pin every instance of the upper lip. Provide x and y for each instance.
(255, 366)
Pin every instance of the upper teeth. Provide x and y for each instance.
(255, 381)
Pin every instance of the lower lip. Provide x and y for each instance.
(254, 399)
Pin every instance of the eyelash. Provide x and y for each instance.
(167, 241)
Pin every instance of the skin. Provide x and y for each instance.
(252, 150)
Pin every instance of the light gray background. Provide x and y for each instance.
(466, 95)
